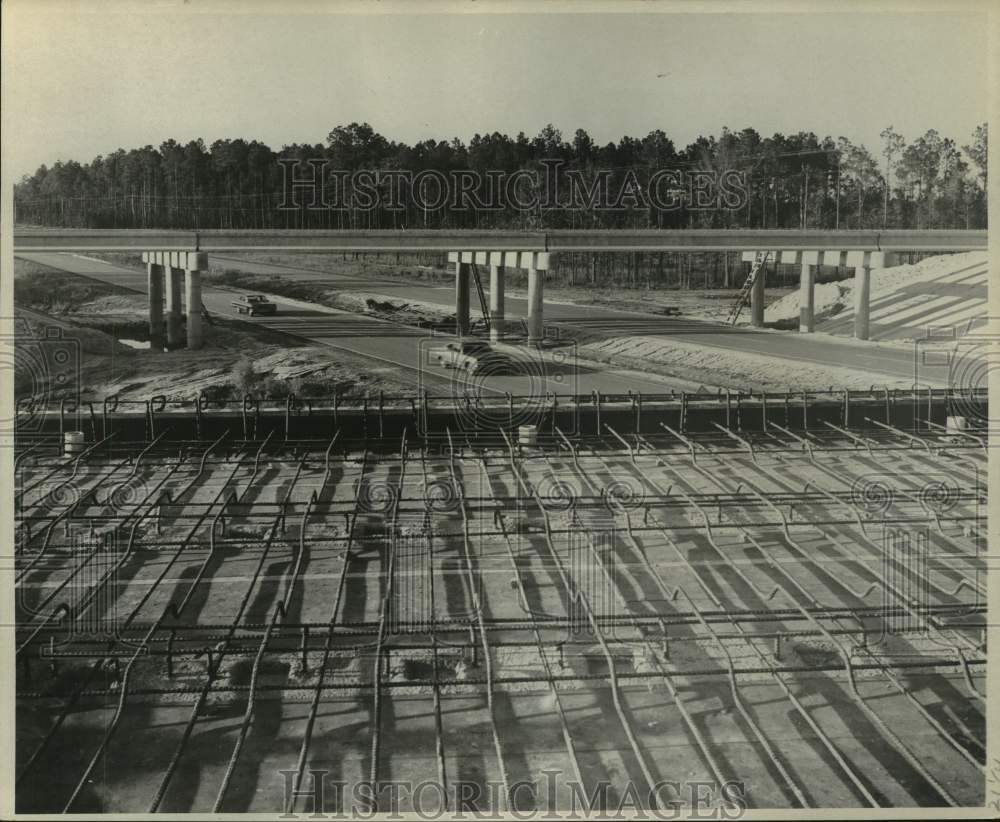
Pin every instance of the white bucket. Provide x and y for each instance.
(74, 442)
(955, 424)
(528, 434)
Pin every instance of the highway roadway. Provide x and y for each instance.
(401, 346)
(896, 363)
(393, 345)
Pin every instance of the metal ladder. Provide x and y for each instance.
(758, 263)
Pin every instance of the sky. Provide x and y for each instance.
(85, 79)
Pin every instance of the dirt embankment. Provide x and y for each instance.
(724, 367)
(905, 300)
(104, 330)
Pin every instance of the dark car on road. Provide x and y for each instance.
(253, 304)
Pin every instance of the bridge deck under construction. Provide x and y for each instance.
(216, 622)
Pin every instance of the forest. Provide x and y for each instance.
(791, 181)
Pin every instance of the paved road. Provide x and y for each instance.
(897, 363)
(401, 345)
(393, 344)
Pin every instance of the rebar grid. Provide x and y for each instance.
(779, 514)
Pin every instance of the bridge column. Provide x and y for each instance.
(757, 298)
(193, 263)
(154, 281)
(536, 288)
(807, 291)
(462, 271)
(174, 275)
(807, 298)
(860, 261)
(192, 297)
(497, 319)
(869, 261)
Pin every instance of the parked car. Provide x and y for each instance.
(473, 356)
(254, 304)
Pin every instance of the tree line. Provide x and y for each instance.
(791, 181)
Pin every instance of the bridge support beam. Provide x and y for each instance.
(536, 297)
(497, 318)
(27, 240)
(174, 286)
(154, 288)
(462, 323)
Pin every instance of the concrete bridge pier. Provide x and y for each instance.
(862, 299)
(536, 299)
(863, 262)
(536, 263)
(174, 287)
(192, 299)
(809, 262)
(154, 285)
(807, 298)
(497, 319)
(191, 263)
(462, 272)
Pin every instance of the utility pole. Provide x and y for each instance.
(837, 196)
(774, 193)
(885, 205)
(805, 195)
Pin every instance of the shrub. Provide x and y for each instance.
(245, 377)
(310, 388)
(219, 391)
(273, 387)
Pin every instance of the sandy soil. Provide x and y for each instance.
(897, 289)
(100, 317)
(698, 366)
(691, 366)
(724, 367)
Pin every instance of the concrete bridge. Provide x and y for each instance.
(170, 255)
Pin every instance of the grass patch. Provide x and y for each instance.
(52, 291)
(126, 259)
